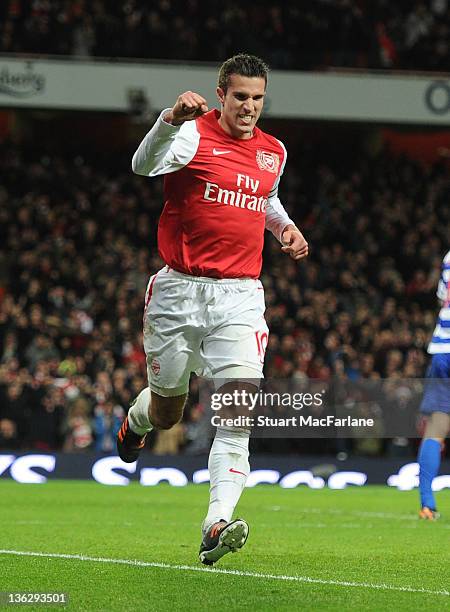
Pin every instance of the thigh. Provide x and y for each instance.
(171, 339)
(438, 425)
(237, 340)
(436, 396)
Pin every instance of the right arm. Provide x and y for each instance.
(170, 145)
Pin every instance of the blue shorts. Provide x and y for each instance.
(436, 397)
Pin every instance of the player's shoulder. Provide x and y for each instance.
(207, 122)
(187, 129)
(271, 141)
(186, 142)
(269, 147)
(446, 260)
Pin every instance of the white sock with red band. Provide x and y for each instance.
(228, 471)
(138, 414)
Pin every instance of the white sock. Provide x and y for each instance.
(138, 417)
(229, 451)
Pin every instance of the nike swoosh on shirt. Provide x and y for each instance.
(218, 152)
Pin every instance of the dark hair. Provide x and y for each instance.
(244, 65)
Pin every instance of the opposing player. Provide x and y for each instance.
(436, 400)
(204, 311)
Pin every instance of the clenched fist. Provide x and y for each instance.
(294, 243)
(187, 107)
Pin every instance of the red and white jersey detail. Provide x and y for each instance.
(220, 193)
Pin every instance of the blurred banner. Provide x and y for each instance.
(137, 87)
(286, 471)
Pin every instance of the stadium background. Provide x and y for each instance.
(78, 229)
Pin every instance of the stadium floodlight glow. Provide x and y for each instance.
(102, 471)
(153, 476)
(21, 468)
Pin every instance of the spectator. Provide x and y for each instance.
(78, 429)
(73, 277)
(46, 421)
(15, 408)
(9, 435)
(198, 431)
(315, 36)
(107, 421)
(169, 441)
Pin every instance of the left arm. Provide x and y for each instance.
(282, 226)
(294, 243)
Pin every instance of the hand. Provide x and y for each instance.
(187, 107)
(294, 243)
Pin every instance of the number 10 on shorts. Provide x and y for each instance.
(262, 338)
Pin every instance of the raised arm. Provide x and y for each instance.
(173, 140)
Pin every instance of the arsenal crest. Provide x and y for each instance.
(155, 366)
(267, 161)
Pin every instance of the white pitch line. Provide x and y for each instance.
(193, 568)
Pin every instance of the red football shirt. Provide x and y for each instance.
(220, 193)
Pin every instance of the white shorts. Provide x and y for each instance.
(213, 327)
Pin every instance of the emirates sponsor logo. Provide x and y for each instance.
(237, 197)
(268, 161)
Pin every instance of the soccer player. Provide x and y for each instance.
(204, 311)
(436, 400)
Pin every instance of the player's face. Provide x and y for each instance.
(241, 105)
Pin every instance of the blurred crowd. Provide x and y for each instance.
(308, 35)
(78, 243)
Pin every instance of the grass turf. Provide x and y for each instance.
(366, 536)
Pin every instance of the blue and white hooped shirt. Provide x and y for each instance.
(440, 342)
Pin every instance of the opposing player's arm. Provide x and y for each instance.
(172, 142)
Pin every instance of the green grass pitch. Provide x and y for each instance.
(354, 549)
